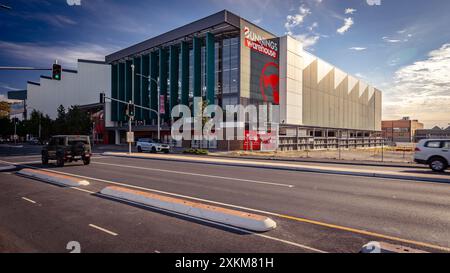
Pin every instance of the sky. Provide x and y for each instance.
(401, 47)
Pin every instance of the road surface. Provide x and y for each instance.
(314, 212)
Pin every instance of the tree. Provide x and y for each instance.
(78, 122)
(4, 109)
(6, 127)
(60, 126)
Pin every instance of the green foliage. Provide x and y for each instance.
(4, 109)
(6, 127)
(196, 151)
(72, 122)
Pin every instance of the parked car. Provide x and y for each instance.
(34, 141)
(146, 144)
(433, 152)
(67, 149)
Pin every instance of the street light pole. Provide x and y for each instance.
(131, 103)
(158, 100)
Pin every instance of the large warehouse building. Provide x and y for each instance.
(228, 60)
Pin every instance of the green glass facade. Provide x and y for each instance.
(206, 66)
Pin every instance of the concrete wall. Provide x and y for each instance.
(329, 97)
(291, 81)
(81, 88)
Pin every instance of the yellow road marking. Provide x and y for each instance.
(364, 232)
(298, 219)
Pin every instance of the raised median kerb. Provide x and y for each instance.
(407, 174)
(54, 178)
(244, 220)
(5, 168)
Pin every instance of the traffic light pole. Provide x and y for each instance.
(130, 117)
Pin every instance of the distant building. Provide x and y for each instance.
(435, 133)
(18, 102)
(403, 130)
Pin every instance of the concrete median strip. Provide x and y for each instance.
(432, 177)
(59, 179)
(230, 217)
(7, 168)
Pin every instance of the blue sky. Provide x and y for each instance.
(400, 46)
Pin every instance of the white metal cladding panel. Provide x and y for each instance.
(330, 97)
(291, 77)
(283, 77)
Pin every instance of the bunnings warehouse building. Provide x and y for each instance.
(229, 61)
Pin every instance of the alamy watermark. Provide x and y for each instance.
(211, 122)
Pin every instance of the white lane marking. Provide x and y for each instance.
(35, 162)
(197, 199)
(197, 174)
(156, 251)
(83, 190)
(226, 226)
(29, 200)
(104, 230)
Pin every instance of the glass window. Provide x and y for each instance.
(447, 145)
(433, 144)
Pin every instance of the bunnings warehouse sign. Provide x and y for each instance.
(260, 64)
(260, 43)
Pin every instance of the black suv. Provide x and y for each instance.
(67, 149)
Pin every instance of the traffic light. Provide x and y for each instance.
(102, 98)
(130, 110)
(56, 72)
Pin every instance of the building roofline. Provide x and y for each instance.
(70, 71)
(221, 17)
(91, 61)
(34, 83)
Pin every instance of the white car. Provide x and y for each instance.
(148, 145)
(433, 152)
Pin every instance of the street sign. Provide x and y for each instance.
(130, 137)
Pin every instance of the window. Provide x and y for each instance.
(447, 145)
(433, 144)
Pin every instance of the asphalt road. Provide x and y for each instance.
(314, 212)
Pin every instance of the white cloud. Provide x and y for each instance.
(422, 90)
(348, 22)
(45, 54)
(313, 26)
(307, 40)
(296, 20)
(356, 48)
(8, 87)
(55, 20)
(393, 41)
(350, 11)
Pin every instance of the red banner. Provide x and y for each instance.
(162, 107)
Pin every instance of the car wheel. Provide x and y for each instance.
(154, 150)
(86, 160)
(438, 164)
(166, 151)
(44, 160)
(60, 162)
(139, 149)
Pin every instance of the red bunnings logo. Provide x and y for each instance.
(260, 43)
(269, 78)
